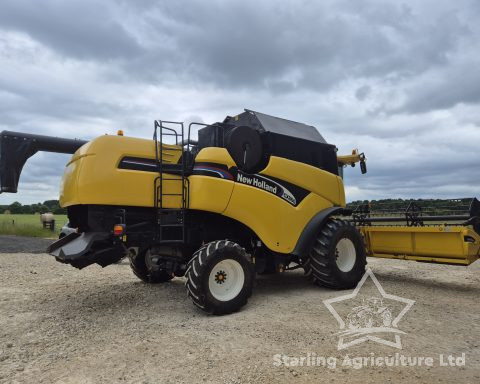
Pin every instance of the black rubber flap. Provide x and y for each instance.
(81, 250)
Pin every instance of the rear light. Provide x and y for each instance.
(119, 229)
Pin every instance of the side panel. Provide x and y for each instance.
(93, 177)
(68, 188)
(313, 179)
(215, 155)
(211, 191)
(209, 194)
(277, 223)
(101, 183)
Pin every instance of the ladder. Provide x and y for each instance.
(171, 222)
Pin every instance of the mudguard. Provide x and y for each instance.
(310, 232)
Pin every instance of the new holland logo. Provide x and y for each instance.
(266, 184)
(256, 182)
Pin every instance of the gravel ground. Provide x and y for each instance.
(20, 244)
(61, 325)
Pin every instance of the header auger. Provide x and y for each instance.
(431, 231)
(254, 194)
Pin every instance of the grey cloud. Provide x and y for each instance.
(248, 44)
(362, 92)
(85, 29)
(444, 90)
(368, 74)
(253, 45)
(40, 179)
(44, 166)
(461, 179)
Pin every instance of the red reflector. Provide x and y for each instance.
(119, 229)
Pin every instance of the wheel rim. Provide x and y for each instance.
(148, 260)
(345, 255)
(226, 280)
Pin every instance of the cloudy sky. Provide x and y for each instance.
(400, 80)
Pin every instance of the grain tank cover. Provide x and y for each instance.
(277, 125)
(279, 137)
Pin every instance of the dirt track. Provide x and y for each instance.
(58, 324)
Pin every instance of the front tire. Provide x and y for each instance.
(220, 277)
(337, 259)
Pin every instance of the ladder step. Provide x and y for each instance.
(169, 219)
(171, 241)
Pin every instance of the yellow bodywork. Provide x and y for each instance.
(438, 244)
(93, 177)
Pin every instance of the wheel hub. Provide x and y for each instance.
(220, 277)
(345, 255)
(151, 260)
(226, 280)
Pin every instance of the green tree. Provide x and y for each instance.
(52, 204)
(60, 211)
(43, 208)
(15, 207)
(27, 209)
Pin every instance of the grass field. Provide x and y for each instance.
(29, 225)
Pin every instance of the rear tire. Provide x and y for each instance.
(337, 259)
(220, 277)
(143, 272)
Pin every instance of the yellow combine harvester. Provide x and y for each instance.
(254, 193)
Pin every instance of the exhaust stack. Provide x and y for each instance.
(17, 147)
